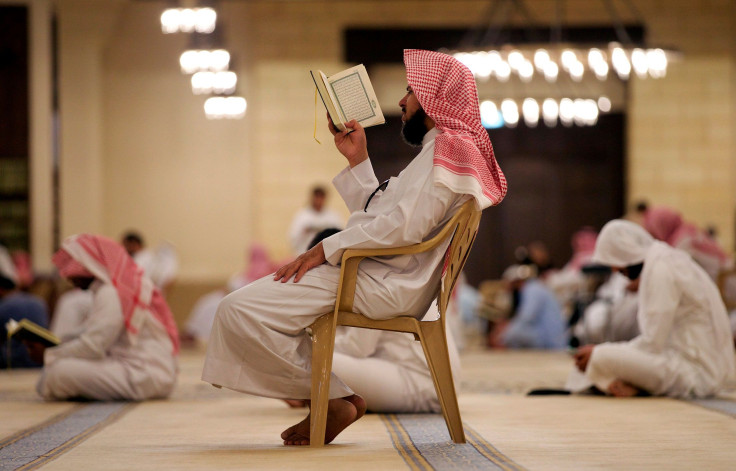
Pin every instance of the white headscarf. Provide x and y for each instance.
(622, 243)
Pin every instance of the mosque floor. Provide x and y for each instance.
(201, 427)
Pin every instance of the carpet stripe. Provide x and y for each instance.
(24, 433)
(403, 444)
(47, 443)
(489, 451)
(724, 406)
(423, 442)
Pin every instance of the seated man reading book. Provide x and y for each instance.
(128, 346)
(259, 344)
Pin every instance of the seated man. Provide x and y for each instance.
(685, 347)
(128, 347)
(536, 320)
(388, 369)
(17, 305)
(259, 342)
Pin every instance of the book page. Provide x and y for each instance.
(355, 96)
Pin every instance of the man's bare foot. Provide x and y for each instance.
(340, 414)
(359, 403)
(619, 388)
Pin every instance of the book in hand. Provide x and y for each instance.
(349, 95)
(28, 330)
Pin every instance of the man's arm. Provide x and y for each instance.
(358, 180)
(356, 184)
(103, 327)
(353, 145)
(657, 308)
(415, 215)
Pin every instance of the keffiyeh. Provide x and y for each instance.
(88, 255)
(463, 155)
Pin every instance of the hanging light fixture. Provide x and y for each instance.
(569, 111)
(220, 83)
(206, 60)
(188, 20)
(566, 67)
(549, 60)
(221, 107)
(201, 60)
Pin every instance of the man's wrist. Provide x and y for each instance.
(358, 160)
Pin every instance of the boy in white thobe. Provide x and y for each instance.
(259, 344)
(685, 348)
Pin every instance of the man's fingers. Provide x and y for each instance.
(290, 271)
(279, 273)
(285, 272)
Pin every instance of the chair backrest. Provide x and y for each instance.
(466, 220)
(726, 282)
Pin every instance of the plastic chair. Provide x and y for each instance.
(462, 228)
(726, 277)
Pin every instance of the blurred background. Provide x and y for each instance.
(105, 129)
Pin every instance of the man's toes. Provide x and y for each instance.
(296, 440)
(288, 432)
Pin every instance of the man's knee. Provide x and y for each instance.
(58, 380)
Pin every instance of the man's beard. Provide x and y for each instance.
(414, 128)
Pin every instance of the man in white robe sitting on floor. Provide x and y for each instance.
(259, 344)
(685, 348)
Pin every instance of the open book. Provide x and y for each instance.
(349, 95)
(28, 330)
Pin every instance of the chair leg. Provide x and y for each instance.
(323, 344)
(438, 360)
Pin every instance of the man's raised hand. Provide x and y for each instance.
(351, 143)
(304, 262)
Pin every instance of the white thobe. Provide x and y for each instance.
(160, 265)
(258, 343)
(685, 348)
(307, 223)
(105, 362)
(389, 369)
(612, 316)
(71, 311)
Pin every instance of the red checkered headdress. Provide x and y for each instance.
(463, 155)
(106, 260)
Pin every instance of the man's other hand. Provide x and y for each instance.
(351, 143)
(305, 262)
(582, 356)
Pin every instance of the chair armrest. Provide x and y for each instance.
(351, 258)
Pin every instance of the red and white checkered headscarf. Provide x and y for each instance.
(89, 255)
(463, 155)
